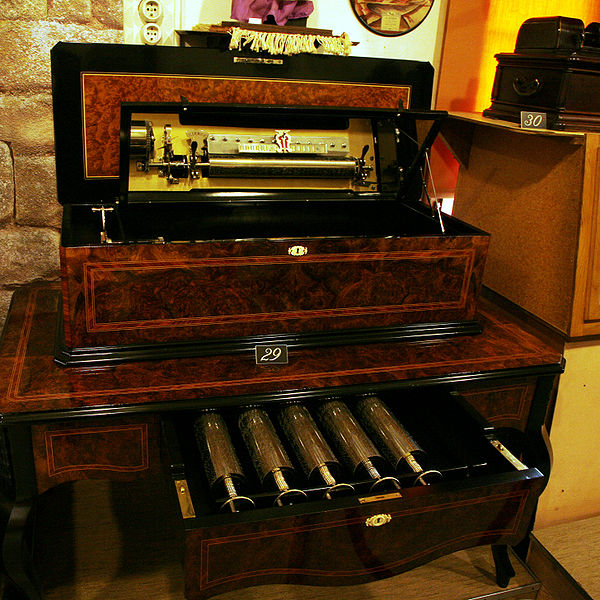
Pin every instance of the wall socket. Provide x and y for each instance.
(150, 22)
(151, 34)
(151, 11)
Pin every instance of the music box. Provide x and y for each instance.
(554, 70)
(217, 204)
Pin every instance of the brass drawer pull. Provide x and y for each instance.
(378, 520)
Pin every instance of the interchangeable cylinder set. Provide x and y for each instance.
(330, 444)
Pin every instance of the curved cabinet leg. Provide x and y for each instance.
(504, 568)
(16, 553)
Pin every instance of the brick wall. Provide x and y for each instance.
(29, 211)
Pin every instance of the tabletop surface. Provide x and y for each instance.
(32, 383)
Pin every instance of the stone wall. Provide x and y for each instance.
(29, 210)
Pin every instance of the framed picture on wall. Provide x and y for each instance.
(391, 17)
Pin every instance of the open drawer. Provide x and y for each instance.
(473, 492)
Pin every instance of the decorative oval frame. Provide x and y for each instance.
(394, 18)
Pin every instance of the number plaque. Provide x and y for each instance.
(533, 120)
(269, 354)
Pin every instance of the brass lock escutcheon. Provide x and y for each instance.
(297, 250)
(185, 499)
(378, 520)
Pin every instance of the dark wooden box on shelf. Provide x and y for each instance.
(309, 230)
(358, 279)
(555, 69)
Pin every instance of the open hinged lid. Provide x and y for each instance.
(91, 82)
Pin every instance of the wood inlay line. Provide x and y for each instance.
(484, 533)
(95, 326)
(142, 428)
(361, 519)
(508, 415)
(18, 363)
(131, 265)
(258, 380)
(91, 271)
(481, 534)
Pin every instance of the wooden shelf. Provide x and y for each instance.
(536, 193)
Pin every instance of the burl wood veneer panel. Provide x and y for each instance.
(155, 293)
(337, 548)
(119, 449)
(525, 190)
(31, 381)
(103, 94)
(503, 405)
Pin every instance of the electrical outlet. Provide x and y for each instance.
(139, 13)
(150, 11)
(151, 33)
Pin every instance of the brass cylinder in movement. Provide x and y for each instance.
(235, 166)
(267, 452)
(220, 461)
(351, 441)
(392, 438)
(310, 447)
(141, 139)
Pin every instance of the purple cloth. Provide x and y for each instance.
(282, 10)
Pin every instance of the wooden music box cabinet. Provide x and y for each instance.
(255, 299)
(211, 205)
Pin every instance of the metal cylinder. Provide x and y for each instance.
(392, 438)
(263, 443)
(306, 440)
(219, 458)
(348, 437)
(227, 166)
(141, 139)
(216, 448)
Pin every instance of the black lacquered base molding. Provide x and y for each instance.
(108, 355)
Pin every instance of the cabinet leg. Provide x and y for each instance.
(16, 553)
(504, 568)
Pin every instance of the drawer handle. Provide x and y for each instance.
(525, 86)
(378, 520)
(297, 250)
